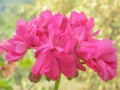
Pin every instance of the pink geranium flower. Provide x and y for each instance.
(81, 27)
(15, 49)
(24, 38)
(59, 43)
(101, 57)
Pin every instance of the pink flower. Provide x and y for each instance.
(80, 19)
(101, 57)
(2, 46)
(81, 27)
(45, 18)
(58, 43)
(24, 38)
(16, 49)
(51, 64)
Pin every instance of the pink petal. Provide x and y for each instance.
(46, 64)
(36, 69)
(90, 24)
(76, 18)
(67, 64)
(55, 70)
(1, 50)
(80, 33)
(45, 17)
(20, 47)
(21, 22)
(102, 71)
(95, 33)
(13, 57)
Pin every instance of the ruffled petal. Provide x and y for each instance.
(67, 64)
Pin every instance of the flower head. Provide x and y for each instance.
(100, 55)
(59, 43)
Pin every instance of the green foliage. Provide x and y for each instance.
(27, 61)
(1, 61)
(4, 85)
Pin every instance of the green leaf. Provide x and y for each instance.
(27, 61)
(4, 85)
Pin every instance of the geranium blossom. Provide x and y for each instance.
(100, 56)
(62, 44)
(57, 44)
(24, 38)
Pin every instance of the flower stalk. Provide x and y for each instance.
(57, 83)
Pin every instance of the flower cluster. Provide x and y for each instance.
(62, 45)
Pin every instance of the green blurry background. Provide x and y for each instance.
(107, 19)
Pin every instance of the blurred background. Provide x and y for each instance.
(14, 76)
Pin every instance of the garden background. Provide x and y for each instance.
(107, 19)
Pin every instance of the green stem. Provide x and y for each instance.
(57, 82)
